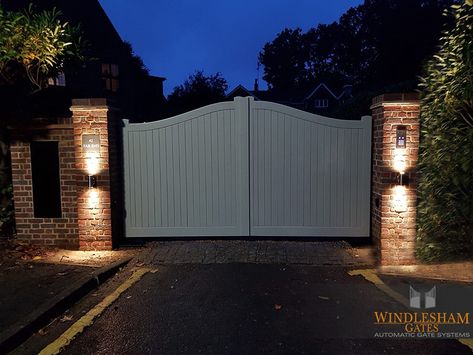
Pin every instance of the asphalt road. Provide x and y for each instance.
(249, 309)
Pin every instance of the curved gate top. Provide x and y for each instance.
(247, 168)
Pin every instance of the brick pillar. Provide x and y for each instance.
(393, 222)
(92, 117)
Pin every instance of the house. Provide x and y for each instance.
(110, 70)
(319, 99)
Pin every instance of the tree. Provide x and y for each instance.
(374, 45)
(35, 45)
(445, 211)
(285, 59)
(33, 48)
(198, 90)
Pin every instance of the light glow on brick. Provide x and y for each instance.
(399, 200)
(93, 198)
(93, 166)
(399, 160)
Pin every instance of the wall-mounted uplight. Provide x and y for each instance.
(91, 149)
(399, 159)
(92, 181)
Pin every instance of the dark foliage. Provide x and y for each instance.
(197, 91)
(375, 46)
(445, 211)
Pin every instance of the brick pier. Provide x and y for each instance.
(393, 213)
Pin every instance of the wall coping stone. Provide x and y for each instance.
(395, 99)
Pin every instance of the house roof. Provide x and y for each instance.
(320, 87)
(285, 95)
(240, 87)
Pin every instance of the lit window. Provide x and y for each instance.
(59, 80)
(321, 103)
(110, 77)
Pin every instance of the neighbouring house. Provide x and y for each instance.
(318, 99)
(109, 72)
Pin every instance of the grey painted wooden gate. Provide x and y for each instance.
(246, 168)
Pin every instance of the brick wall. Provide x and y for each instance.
(393, 222)
(86, 221)
(62, 232)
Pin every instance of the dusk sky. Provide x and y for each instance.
(177, 37)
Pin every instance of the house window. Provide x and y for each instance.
(46, 182)
(321, 103)
(110, 77)
(59, 80)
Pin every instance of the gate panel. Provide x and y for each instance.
(310, 175)
(188, 175)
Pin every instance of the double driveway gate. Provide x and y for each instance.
(247, 168)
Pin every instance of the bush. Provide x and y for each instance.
(445, 211)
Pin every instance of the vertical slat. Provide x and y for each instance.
(367, 129)
(143, 180)
(170, 177)
(221, 171)
(354, 177)
(183, 174)
(279, 169)
(150, 178)
(131, 208)
(213, 173)
(126, 173)
(208, 170)
(359, 174)
(346, 177)
(227, 163)
(274, 158)
(266, 167)
(233, 167)
(201, 165)
(243, 106)
(137, 185)
(307, 183)
(255, 169)
(340, 186)
(129, 187)
(327, 159)
(176, 175)
(319, 173)
(299, 208)
(234, 177)
(157, 180)
(189, 174)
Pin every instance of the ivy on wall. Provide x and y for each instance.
(445, 211)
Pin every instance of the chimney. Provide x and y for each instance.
(256, 86)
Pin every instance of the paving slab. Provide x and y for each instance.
(257, 251)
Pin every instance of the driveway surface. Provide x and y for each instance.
(249, 309)
(242, 297)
